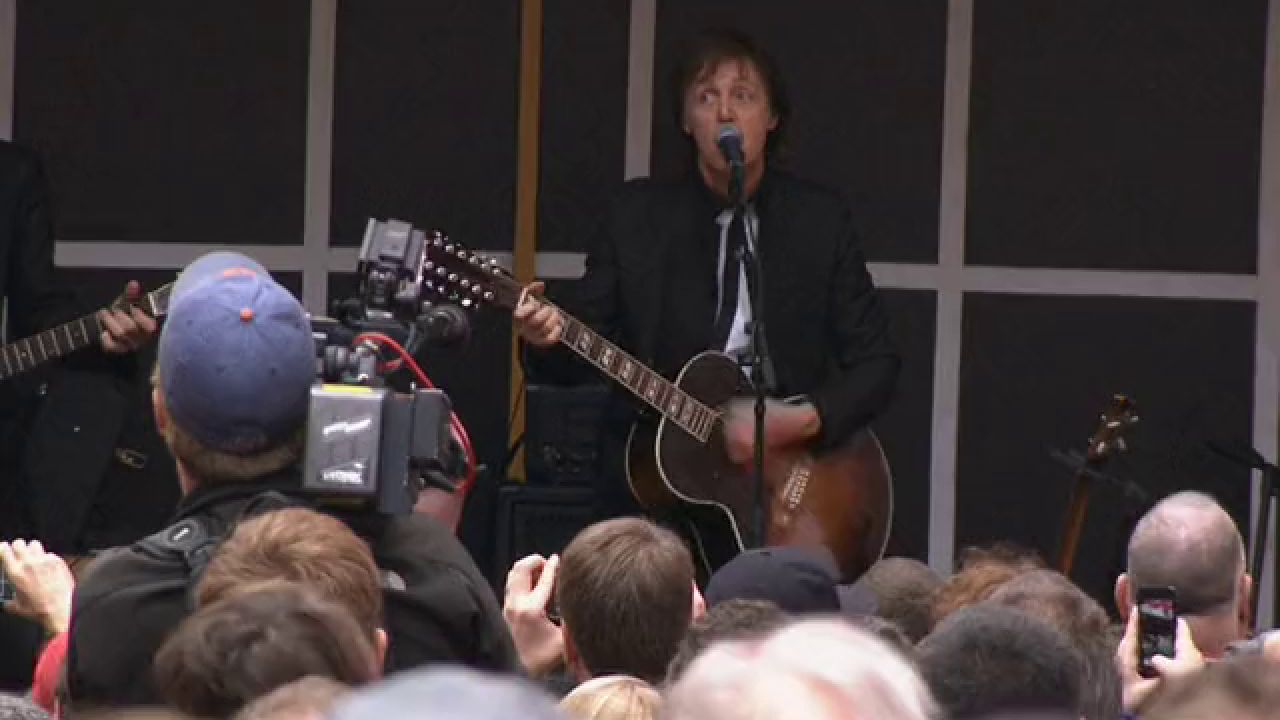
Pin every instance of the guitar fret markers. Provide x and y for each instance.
(664, 396)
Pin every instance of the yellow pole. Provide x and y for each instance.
(524, 255)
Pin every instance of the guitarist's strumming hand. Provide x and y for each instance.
(539, 324)
(784, 424)
(122, 331)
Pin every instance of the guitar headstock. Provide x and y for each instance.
(1119, 417)
(456, 274)
(154, 303)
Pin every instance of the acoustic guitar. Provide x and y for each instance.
(28, 353)
(841, 499)
(1107, 439)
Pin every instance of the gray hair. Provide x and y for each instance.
(1189, 542)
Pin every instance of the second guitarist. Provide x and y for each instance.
(663, 283)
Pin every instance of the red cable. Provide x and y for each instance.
(455, 423)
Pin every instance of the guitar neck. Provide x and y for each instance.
(662, 395)
(25, 354)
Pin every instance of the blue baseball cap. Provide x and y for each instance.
(236, 356)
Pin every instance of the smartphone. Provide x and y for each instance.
(1157, 626)
(7, 591)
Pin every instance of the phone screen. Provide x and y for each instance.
(1157, 626)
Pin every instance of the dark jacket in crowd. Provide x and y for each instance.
(132, 597)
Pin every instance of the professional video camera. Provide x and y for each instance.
(369, 445)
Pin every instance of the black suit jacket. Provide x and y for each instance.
(58, 427)
(651, 282)
(26, 245)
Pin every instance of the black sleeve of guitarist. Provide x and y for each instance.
(864, 364)
(27, 246)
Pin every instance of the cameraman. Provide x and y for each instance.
(235, 364)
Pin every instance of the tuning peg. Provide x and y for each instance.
(476, 290)
(453, 277)
(465, 283)
(437, 240)
(429, 266)
(467, 303)
(448, 248)
(462, 255)
(488, 297)
(441, 272)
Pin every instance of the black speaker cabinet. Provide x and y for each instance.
(537, 519)
(563, 432)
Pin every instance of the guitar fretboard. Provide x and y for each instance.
(56, 342)
(25, 354)
(673, 403)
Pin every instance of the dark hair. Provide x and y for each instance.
(986, 658)
(235, 651)
(625, 591)
(904, 590)
(712, 48)
(1049, 596)
(734, 619)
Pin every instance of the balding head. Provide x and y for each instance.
(1189, 542)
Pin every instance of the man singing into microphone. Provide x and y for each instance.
(664, 280)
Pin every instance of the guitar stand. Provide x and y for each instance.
(1075, 462)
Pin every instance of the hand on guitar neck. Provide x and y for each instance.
(539, 323)
(784, 424)
(124, 331)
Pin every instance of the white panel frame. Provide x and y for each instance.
(950, 278)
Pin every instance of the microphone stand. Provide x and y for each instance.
(1253, 460)
(759, 351)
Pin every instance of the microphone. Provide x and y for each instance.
(445, 325)
(729, 140)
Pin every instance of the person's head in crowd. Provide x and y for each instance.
(886, 630)
(986, 658)
(232, 652)
(310, 698)
(1049, 596)
(626, 595)
(233, 370)
(1190, 543)
(724, 78)
(1239, 689)
(799, 580)
(447, 693)
(306, 547)
(981, 571)
(818, 669)
(14, 707)
(736, 619)
(613, 697)
(904, 589)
